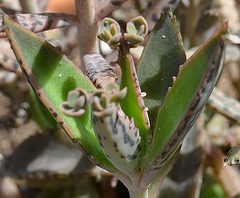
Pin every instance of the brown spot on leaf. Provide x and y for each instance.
(55, 114)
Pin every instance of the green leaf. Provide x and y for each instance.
(159, 63)
(133, 39)
(136, 29)
(110, 32)
(185, 100)
(131, 28)
(132, 104)
(52, 76)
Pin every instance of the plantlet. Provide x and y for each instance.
(136, 139)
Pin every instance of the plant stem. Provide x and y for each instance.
(87, 29)
(138, 193)
(43, 4)
(29, 6)
(191, 21)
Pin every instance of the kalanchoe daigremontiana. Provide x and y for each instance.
(137, 29)
(113, 129)
(118, 136)
(118, 117)
(109, 31)
(76, 104)
(121, 124)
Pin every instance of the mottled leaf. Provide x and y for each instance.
(119, 139)
(42, 22)
(185, 100)
(159, 63)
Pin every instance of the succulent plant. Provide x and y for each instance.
(109, 31)
(136, 138)
(136, 29)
